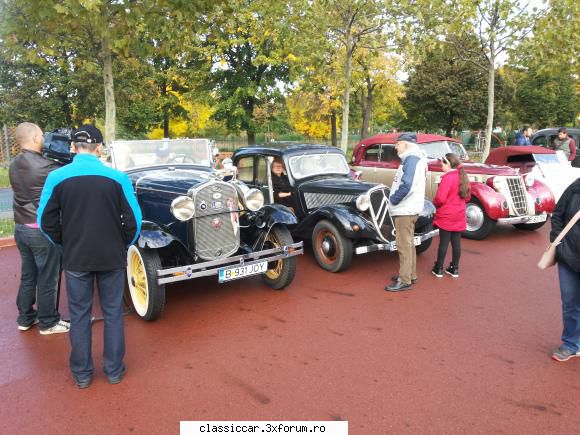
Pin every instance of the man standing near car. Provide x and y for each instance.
(40, 259)
(523, 137)
(406, 203)
(565, 144)
(92, 211)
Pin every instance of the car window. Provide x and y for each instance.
(540, 141)
(307, 165)
(246, 169)
(262, 177)
(373, 153)
(389, 154)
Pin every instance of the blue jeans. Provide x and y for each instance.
(39, 276)
(79, 286)
(570, 291)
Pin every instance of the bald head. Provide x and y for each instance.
(29, 136)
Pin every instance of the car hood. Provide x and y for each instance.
(476, 168)
(336, 185)
(177, 181)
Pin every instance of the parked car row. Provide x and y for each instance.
(201, 220)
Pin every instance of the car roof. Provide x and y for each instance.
(281, 149)
(392, 138)
(554, 130)
(499, 156)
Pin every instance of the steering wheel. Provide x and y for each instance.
(184, 159)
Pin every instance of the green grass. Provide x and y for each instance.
(6, 228)
(4, 181)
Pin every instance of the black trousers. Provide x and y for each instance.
(444, 238)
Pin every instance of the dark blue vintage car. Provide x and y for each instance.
(341, 216)
(197, 224)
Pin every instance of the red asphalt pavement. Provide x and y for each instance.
(470, 355)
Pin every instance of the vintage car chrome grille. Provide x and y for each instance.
(517, 190)
(215, 225)
(315, 200)
(378, 210)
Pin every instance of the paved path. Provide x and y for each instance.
(450, 357)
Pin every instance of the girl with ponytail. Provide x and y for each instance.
(452, 194)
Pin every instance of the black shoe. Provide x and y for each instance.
(396, 278)
(117, 379)
(453, 271)
(437, 271)
(398, 286)
(84, 383)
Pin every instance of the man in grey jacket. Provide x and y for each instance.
(40, 259)
(406, 203)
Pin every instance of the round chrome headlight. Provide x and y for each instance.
(497, 183)
(183, 208)
(363, 202)
(253, 199)
(530, 180)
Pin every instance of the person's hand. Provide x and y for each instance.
(285, 194)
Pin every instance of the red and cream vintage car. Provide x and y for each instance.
(499, 193)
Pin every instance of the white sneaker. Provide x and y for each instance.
(60, 327)
(26, 328)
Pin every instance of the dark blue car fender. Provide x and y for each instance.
(272, 214)
(153, 236)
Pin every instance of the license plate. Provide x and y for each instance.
(538, 218)
(237, 272)
(416, 242)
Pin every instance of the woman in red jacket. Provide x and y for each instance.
(452, 194)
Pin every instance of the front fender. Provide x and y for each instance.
(544, 199)
(153, 236)
(272, 214)
(491, 200)
(343, 217)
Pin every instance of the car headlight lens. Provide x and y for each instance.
(363, 202)
(530, 180)
(497, 183)
(183, 208)
(253, 199)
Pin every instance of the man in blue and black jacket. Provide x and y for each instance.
(91, 210)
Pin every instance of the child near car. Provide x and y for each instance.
(452, 194)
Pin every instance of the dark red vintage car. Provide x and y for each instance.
(499, 193)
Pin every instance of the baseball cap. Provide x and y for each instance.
(87, 134)
(407, 137)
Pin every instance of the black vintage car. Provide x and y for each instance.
(340, 215)
(196, 224)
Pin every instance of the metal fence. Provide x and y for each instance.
(8, 150)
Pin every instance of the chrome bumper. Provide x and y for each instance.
(208, 268)
(392, 246)
(524, 219)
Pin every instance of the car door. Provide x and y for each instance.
(388, 165)
(369, 163)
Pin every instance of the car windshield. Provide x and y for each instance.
(436, 150)
(547, 158)
(141, 153)
(307, 165)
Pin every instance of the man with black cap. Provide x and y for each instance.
(91, 210)
(406, 203)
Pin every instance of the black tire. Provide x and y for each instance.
(427, 243)
(281, 272)
(479, 225)
(530, 227)
(332, 250)
(147, 296)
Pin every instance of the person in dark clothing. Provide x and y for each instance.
(281, 185)
(40, 259)
(568, 260)
(92, 211)
(523, 137)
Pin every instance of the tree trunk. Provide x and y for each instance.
(163, 89)
(490, 104)
(110, 109)
(333, 132)
(251, 137)
(346, 96)
(367, 106)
